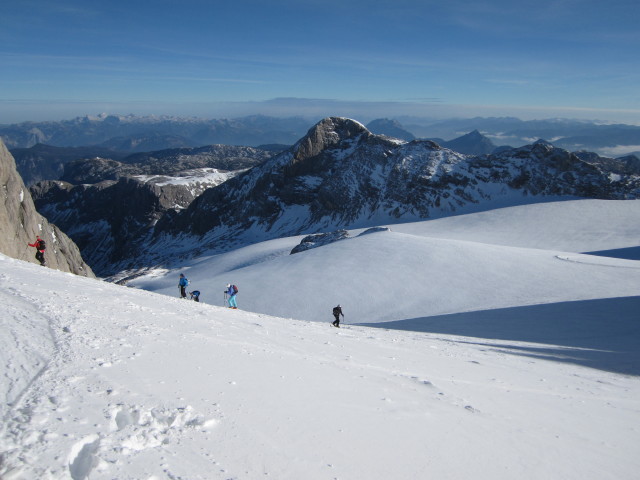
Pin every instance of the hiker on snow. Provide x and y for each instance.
(195, 295)
(337, 311)
(40, 246)
(232, 291)
(182, 284)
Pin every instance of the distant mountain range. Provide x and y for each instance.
(142, 134)
(339, 175)
(46, 162)
(139, 134)
(572, 135)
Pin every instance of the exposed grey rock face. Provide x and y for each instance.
(20, 223)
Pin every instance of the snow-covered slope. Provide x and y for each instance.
(509, 257)
(575, 225)
(104, 382)
(534, 371)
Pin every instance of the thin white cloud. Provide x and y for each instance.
(619, 150)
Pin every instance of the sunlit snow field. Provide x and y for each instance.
(483, 346)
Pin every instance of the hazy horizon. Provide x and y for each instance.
(362, 59)
(16, 112)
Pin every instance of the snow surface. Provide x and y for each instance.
(494, 361)
(191, 177)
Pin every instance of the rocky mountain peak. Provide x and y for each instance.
(325, 134)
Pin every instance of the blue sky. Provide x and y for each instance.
(364, 59)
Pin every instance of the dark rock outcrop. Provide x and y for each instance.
(318, 240)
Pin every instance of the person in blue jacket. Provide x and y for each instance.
(231, 292)
(182, 283)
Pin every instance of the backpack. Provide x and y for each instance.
(235, 289)
(41, 245)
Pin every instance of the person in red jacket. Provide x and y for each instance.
(40, 247)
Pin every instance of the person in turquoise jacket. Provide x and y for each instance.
(231, 292)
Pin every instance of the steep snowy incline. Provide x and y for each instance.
(135, 385)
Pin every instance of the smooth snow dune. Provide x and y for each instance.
(574, 225)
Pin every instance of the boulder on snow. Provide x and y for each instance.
(319, 240)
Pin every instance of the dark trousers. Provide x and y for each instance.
(40, 257)
(336, 322)
(183, 293)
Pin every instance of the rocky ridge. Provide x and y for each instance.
(340, 175)
(171, 162)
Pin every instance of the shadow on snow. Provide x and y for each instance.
(602, 334)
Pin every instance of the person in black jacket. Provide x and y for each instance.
(337, 311)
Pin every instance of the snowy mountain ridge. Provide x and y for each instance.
(342, 176)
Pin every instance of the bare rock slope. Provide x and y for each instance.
(20, 223)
